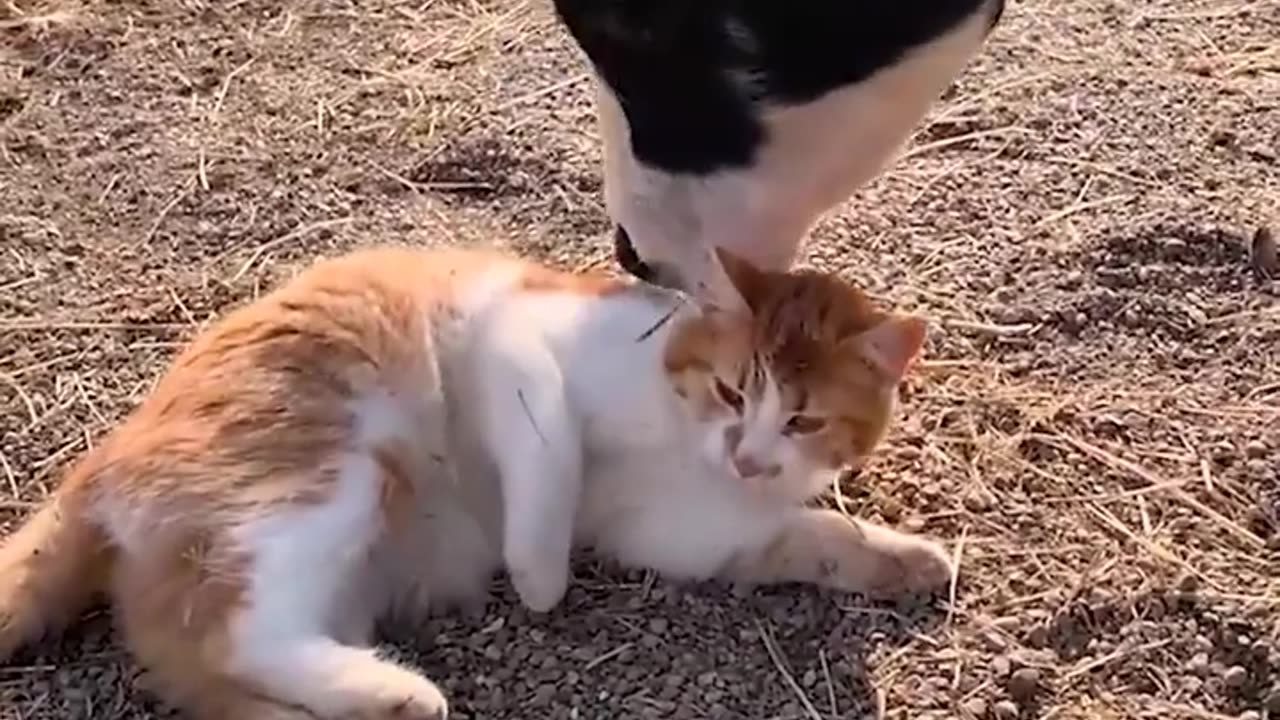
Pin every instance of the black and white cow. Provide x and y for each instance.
(740, 122)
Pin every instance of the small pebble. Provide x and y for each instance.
(1001, 667)
(976, 707)
(1173, 245)
(994, 641)
(979, 500)
(1004, 710)
(1024, 684)
(1263, 256)
(1255, 449)
(1235, 677)
(1272, 703)
(1038, 636)
(1189, 583)
(1199, 664)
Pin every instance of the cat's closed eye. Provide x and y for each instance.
(804, 425)
(728, 395)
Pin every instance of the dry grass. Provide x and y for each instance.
(1094, 432)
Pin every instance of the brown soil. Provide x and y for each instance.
(1095, 437)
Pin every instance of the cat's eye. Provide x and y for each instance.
(729, 396)
(804, 424)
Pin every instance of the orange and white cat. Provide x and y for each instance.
(390, 428)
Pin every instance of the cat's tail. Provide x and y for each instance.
(51, 568)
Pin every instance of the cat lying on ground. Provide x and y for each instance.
(389, 428)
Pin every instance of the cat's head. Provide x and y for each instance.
(792, 378)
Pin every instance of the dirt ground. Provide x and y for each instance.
(1095, 435)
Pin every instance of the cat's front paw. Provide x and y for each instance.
(912, 564)
(540, 589)
(397, 694)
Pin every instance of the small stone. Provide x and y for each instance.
(976, 707)
(1235, 677)
(1255, 449)
(1188, 583)
(1004, 710)
(1173, 247)
(1258, 468)
(1038, 636)
(1195, 315)
(979, 500)
(1263, 256)
(1001, 667)
(1024, 684)
(809, 678)
(1199, 664)
(1223, 451)
(1260, 152)
(544, 694)
(658, 626)
(994, 641)
(1272, 703)
(1261, 650)
(1222, 137)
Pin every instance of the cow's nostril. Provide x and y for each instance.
(625, 253)
(660, 274)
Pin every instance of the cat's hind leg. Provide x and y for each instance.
(826, 548)
(244, 628)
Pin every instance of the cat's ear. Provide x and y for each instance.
(892, 345)
(739, 286)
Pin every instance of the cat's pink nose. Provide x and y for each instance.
(749, 467)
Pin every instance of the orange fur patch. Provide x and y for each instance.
(801, 328)
(537, 278)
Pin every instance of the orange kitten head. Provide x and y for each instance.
(793, 378)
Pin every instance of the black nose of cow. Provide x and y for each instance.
(625, 253)
(655, 273)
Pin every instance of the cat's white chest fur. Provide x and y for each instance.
(647, 496)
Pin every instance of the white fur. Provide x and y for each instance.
(305, 561)
(579, 420)
(816, 155)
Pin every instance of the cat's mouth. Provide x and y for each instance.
(656, 273)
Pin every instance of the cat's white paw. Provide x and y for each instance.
(540, 589)
(912, 564)
(404, 695)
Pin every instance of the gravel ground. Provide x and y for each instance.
(1094, 435)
